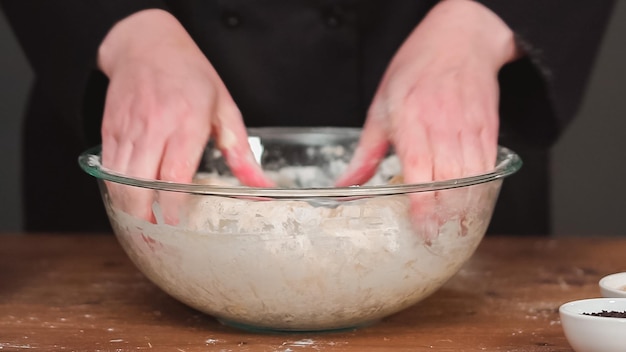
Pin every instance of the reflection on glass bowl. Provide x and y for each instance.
(306, 255)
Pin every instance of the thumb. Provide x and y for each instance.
(232, 140)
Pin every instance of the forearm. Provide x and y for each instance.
(475, 26)
(141, 36)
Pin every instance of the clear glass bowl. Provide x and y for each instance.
(304, 256)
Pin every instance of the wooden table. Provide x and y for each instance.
(81, 293)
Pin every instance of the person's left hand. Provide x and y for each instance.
(438, 100)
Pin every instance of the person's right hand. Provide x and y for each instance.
(164, 101)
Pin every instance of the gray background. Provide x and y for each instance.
(589, 197)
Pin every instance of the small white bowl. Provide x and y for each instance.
(614, 285)
(587, 333)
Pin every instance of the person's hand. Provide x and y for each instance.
(438, 100)
(164, 102)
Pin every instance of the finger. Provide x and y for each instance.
(109, 134)
(480, 137)
(371, 149)
(138, 155)
(474, 155)
(113, 195)
(423, 213)
(462, 201)
(232, 140)
(109, 151)
(485, 117)
(141, 163)
(118, 155)
(413, 147)
(448, 161)
(448, 164)
(489, 146)
(182, 153)
(116, 151)
(181, 156)
(416, 156)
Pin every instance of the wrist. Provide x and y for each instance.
(480, 29)
(139, 35)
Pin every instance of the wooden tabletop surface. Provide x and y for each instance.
(81, 293)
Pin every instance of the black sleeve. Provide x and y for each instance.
(60, 40)
(541, 93)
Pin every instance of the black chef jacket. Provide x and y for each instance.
(292, 63)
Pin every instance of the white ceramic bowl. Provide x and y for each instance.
(588, 333)
(614, 285)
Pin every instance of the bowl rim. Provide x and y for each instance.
(569, 309)
(605, 284)
(508, 162)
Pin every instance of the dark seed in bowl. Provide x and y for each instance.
(608, 314)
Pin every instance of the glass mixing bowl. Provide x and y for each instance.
(303, 256)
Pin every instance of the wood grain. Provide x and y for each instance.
(81, 293)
